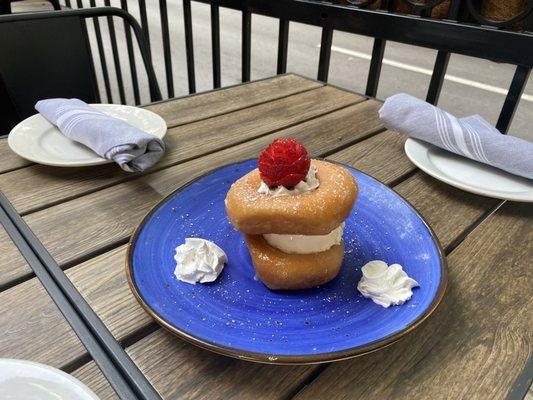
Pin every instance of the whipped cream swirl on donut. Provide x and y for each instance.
(386, 285)
(305, 244)
(199, 260)
(309, 184)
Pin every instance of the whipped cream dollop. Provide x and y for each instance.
(386, 285)
(305, 244)
(309, 184)
(199, 260)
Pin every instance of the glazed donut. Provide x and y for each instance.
(314, 213)
(279, 270)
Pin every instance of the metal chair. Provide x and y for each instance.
(47, 54)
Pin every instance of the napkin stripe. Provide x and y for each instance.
(473, 143)
(458, 135)
(476, 141)
(442, 134)
(61, 118)
(446, 133)
(67, 125)
(441, 137)
(71, 124)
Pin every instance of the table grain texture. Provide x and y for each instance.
(474, 346)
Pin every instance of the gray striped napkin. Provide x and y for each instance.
(471, 137)
(111, 138)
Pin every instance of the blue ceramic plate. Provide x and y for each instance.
(239, 317)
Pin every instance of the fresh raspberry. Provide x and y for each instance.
(284, 162)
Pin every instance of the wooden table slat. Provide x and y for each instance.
(9, 160)
(206, 105)
(12, 265)
(29, 323)
(449, 211)
(380, 156)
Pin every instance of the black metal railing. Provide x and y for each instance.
(464, 27)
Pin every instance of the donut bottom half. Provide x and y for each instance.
(279, 270)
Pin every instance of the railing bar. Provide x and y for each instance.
(93, 61)
(131, 57)
(144, 20)
(437, 78)
(98, 34)
(455, 6)
(215, 43)
(374, 71)
(325, 53)
(189, 46)
(246, 44)
(145, 28)
(376, 62)
(155, 93)
(67, 4)
(441, 62)
(512, 99)
(166, 47)
(116, 57)
(283, 44)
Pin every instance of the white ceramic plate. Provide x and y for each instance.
(467, 174)
(26, 380)
(37, 140)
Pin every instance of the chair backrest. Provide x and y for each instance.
(47, 54)
(45, 58)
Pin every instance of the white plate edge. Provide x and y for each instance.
(55, 370)
(453, 183)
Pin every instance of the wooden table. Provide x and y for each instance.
(475, 346)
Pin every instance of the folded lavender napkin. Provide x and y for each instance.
(109, 137)
(471, 137)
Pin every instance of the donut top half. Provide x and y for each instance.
(314, 213)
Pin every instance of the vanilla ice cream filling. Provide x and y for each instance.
(305, 244)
